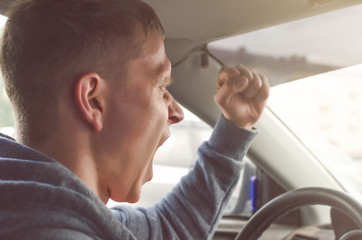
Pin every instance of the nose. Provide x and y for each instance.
(175, 113)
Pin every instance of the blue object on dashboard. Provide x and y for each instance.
(254, 193)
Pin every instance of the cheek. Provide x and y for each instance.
(138, 126)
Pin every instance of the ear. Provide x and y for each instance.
(90, 97)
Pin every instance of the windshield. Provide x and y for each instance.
(313, 65)
(324, 111)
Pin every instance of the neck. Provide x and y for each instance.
(75, 154)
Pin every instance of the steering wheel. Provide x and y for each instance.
(292, 200)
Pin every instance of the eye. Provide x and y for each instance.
(169, 83)
(164, 87)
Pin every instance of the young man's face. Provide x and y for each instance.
(138, 121)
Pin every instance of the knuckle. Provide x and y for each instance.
(220, 99)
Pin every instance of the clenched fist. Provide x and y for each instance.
(242, 95)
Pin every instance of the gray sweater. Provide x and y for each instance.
(41, 199)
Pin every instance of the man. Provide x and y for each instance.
(88, 83)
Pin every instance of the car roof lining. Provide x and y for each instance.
(211, 20)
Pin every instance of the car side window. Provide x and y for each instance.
(7, 120)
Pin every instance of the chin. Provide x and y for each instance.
(133, 197)
(133, 200)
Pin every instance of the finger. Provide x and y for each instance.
(230, 88)
(244, 71)
(264, 91)
(226, 73)
(254, 86)
(237, 84)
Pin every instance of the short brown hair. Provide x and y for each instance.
(47, 43)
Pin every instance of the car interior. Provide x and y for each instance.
(289, 189)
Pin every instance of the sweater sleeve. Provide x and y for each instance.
(194, 207)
